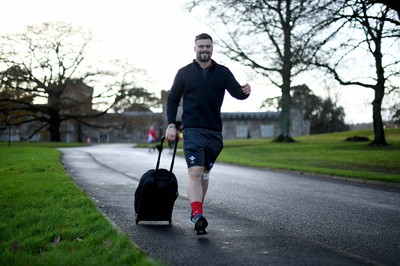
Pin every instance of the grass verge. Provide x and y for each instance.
(47, 220)
(327, 154)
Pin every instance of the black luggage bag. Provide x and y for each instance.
(157, 191)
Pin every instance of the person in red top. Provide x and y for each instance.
(151, 138)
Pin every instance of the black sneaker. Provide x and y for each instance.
(200, 224)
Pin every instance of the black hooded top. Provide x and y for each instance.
(203, 92)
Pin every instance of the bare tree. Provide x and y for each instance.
(275, 38)
(395, 5)
(377, 24)
(46, 64)
(132, 97)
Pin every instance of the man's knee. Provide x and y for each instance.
(196, 172)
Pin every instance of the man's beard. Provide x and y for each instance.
(204, 57)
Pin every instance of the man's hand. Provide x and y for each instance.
(246, 88)
(170, 132)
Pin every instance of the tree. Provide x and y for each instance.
(378, 24)
(328, 119)
(324, 114)
(46, 65)
(275, 38)
(131, 97)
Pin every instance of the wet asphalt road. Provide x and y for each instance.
(256, 217)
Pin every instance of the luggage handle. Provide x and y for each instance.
(173, 155)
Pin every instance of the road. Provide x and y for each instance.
(256, 216)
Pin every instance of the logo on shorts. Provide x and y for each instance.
(192, 158)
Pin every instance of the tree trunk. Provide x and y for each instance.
(286, 80)
(285, 122)
(54, 128)
(285, 114)
(379, 132)
(80, 133)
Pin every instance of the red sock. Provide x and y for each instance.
(197, 207)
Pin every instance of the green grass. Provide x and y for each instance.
(325, 154)
(47, 220)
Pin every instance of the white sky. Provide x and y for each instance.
(157, 36)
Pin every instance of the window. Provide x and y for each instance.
(241, 131)
(267, 131)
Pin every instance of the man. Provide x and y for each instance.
(202, 85)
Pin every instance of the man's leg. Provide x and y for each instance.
(197, 173)
(204, 183)
(195, 186)
(196, 195)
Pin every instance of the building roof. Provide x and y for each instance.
(250, 116)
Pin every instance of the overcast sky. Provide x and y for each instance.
(157, 36)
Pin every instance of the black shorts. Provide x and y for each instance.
(201, 147)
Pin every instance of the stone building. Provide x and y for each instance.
(132, 127)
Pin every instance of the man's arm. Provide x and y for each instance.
(173, 100)
(235, 89)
